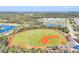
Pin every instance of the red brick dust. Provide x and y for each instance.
(10, 39)
(45, 39)
(10, 42)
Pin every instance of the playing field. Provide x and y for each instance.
(39, 38)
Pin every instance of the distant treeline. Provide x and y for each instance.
(42, 14)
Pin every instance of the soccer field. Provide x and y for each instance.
(39, 38)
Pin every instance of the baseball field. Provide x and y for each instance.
(38, 38)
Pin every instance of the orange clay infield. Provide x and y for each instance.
(39, 38)
(45, 40)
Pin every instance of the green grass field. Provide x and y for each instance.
(34, 37)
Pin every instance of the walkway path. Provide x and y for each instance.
(71, 32)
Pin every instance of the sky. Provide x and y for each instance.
(39, 8)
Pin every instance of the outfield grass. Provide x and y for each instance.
(35, 37)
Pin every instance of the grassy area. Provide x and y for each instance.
(34, 37)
